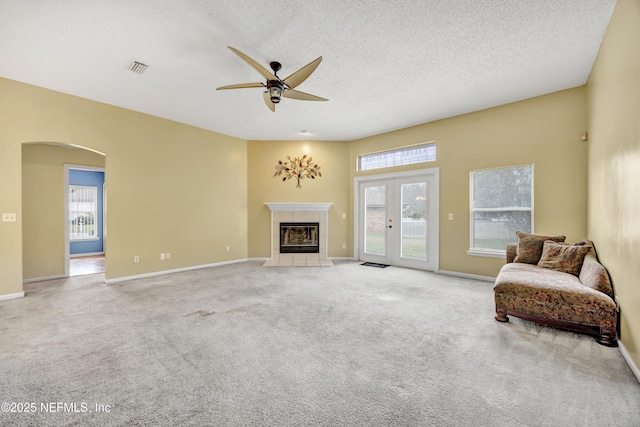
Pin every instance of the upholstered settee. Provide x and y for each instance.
(541, 283)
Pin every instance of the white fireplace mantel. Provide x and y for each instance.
(298, 206)
(299, 212)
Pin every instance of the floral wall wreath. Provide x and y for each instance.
(299, 168)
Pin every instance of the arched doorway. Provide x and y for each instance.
(45, 231)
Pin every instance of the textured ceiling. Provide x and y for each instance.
(387, 64)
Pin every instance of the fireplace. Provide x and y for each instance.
(299, 238)
(305, 243)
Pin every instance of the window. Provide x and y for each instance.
(398, 157)
(83, 212)
(501, 204)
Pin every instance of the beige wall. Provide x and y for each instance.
(544, 131)
(614, 164)
(171, 187)
(166, 180)
(333, 186)
(10, 202)
(43, 248)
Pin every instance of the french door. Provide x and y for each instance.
(398, 219)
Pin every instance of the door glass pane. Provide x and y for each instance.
(375, 213)
(414, 220)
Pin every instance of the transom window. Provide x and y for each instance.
(501, 204)
(83, 212)
(398, 157)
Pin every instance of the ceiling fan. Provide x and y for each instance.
(277, 87)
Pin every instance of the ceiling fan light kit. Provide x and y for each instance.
(277, 87)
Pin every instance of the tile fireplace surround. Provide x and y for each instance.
(298, 212)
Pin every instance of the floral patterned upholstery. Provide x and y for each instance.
(563, 257)
(595, 276)
(527, 290)
(530, 246)
(512, 251)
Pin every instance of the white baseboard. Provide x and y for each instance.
(177, 270)
(627, 358)
(259, 259)
(12, 296)
(468, 276)
(42, 279)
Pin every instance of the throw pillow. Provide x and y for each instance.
(563, 257)
(588, 243)
(530, 246)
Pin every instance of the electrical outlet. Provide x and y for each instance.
(344, 216)
(344, 246)
(162, 256)
(136, 259)
(8, 217)
(228, 248)
(450, 217)
(168, 255)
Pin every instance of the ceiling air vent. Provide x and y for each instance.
(137, 67)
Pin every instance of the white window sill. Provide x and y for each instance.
(487, 253)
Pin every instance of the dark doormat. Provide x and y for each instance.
(375, 264)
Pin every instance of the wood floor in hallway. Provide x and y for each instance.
(81, 266)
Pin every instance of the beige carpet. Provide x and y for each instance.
(317, 346)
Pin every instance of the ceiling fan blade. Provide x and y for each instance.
(267, 100)
(240, 86)
(301, 75)
(259, 68)
(296, 94)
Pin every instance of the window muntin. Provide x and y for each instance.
(398, 157)
(501, 204)
(83, 212)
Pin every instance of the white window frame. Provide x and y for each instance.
(95, 212)
(495, 253)
(399, 156)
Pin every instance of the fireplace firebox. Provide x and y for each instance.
(299, 237)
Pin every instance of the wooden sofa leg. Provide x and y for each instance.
(501, 314)
(607, 337)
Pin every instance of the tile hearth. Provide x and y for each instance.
(298, 212)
